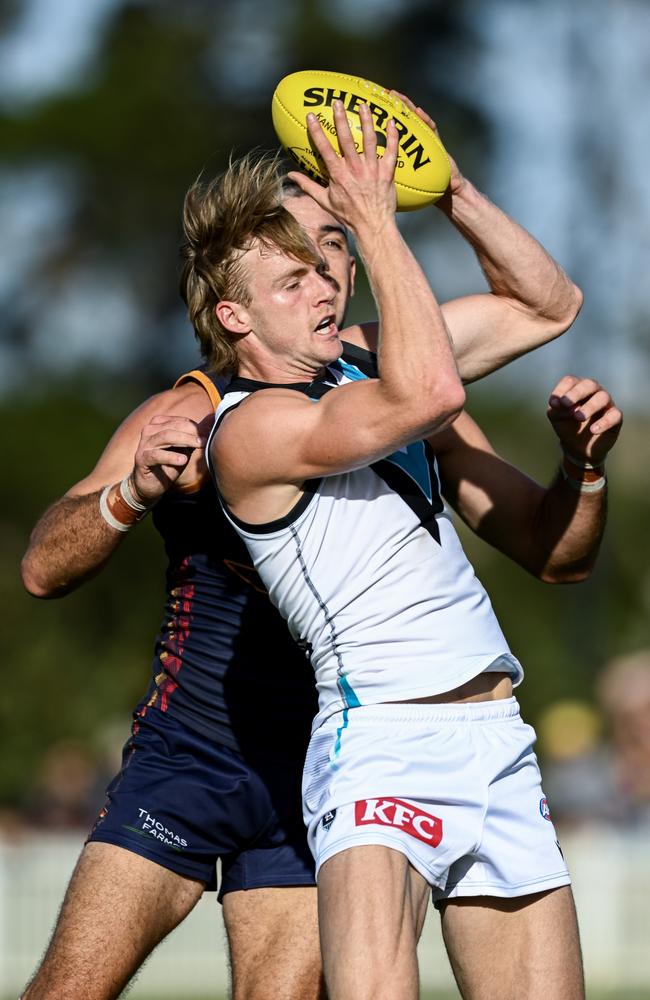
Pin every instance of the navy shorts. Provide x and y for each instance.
(184, 802)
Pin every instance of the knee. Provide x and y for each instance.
(372, 988)
(266, 981)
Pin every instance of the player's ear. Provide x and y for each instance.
(233, 316)
(353, 274)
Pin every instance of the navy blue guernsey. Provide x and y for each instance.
(224, 664)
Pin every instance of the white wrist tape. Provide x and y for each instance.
(130, 499)
(582, 487)
(106, 514)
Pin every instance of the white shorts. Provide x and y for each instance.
(455, 787)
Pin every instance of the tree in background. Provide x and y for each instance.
(92, 323)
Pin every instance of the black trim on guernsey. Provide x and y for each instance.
(314, 389)
(396, 478)
(309, 489)
(310, 485)
(364, 360)
(411, 494)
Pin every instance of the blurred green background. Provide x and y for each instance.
(109, 110)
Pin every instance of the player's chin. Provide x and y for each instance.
(329, 345)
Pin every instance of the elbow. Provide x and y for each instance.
(574, 305)
(445, 404)
(557, 315)
(564, 574)
(456, 398)
(566, 317)
(35, 583)
(426, 406)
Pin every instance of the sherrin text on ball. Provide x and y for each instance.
(422, 172)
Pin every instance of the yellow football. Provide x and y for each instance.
(422, 171)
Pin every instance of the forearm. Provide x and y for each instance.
(515, 264)
(418, 379)
(415, 355)
(553, 532)
(70, 543)
(568, 528)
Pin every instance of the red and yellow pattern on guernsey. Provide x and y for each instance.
(177, 631)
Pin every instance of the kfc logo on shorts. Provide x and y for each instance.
(545, 809)
(401, 816)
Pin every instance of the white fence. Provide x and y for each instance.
(611, 882)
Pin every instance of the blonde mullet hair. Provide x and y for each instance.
(222, 219)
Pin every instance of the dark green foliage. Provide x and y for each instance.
(73, 665)
(159, 103)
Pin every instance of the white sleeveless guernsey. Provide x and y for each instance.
(370, 575)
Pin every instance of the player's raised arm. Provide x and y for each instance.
(531, 299)
(286, 439)
(410, 319)
(151, 449)
(554, 532)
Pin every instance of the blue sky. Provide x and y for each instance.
(49, 46)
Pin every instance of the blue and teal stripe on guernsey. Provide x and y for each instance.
(336, 750)
(350, 371)
(348, 692)
(412, 460)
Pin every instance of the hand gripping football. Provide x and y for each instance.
(422, 171)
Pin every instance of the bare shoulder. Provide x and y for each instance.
(364, 335)
(262, 427)
(187, 400)
(263, 413)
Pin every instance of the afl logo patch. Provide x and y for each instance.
(328, 819)
(544, 809)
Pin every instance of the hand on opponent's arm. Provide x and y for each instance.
(73, 540)
(553, 532)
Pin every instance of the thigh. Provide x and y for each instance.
(117, 908)
(181, 800)
(268, 890)
(517, 852)
(371, 908)
(273, 941)
(278, 857)
(506, 949)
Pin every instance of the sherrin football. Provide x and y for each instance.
(422, 171)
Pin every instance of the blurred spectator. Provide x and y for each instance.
(68, 791)
(578, 768)
(597, 760)
(624, 693)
